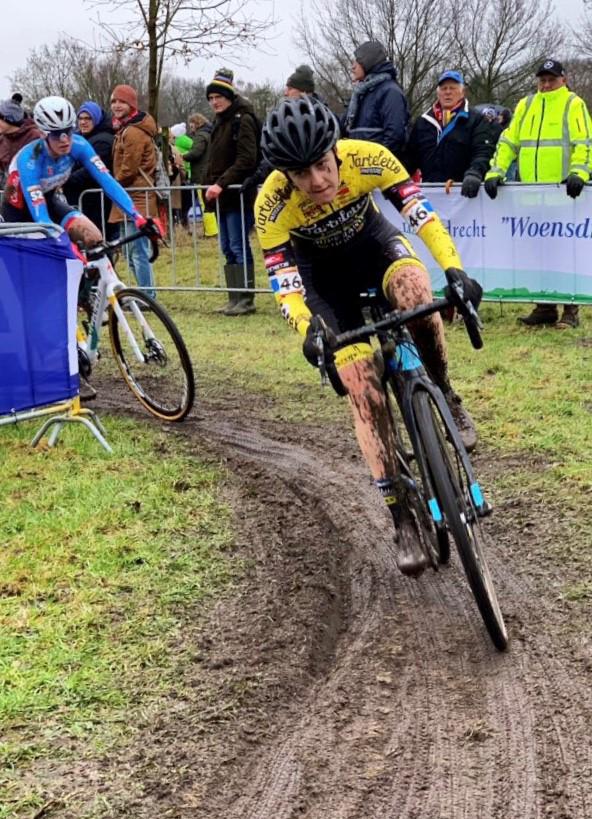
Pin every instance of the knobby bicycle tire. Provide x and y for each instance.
(459, 514)
(415, 496)
(164, 383)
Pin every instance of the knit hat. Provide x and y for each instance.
(370, 54)
(302, 79)
(178, 130)
(11, 112)
(222, 84)
(94, 111)
(126, 94)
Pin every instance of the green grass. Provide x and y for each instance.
(101, 561)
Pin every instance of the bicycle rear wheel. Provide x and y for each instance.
(454, 496)
(152, 356)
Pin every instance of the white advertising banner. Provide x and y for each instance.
(531, 243)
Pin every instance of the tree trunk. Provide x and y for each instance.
(153, 78)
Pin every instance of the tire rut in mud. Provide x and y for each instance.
(376, 696)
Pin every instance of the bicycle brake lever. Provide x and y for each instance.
(320, 348)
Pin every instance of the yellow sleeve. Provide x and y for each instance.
(580, 137)
(439, 242)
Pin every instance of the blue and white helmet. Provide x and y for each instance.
(54, 114)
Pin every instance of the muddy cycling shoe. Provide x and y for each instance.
(410, 557)
(462, 419)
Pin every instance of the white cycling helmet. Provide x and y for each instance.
(54, 114)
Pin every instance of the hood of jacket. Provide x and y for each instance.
(27, 132)
(385, 67)
(144, 122)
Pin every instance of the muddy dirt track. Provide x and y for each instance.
(328, 686)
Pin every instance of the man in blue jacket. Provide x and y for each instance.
(378, 110)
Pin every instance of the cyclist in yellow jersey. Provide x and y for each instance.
(324, 242)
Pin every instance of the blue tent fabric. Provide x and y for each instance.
(35, 360)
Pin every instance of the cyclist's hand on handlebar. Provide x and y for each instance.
(465, 294)
(462, 289)
(150, 227)
(318, 331)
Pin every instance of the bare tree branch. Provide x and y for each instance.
(179, 30)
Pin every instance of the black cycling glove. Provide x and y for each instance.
(574, 185)
(472, 290)
(311, 353)
(470, 185)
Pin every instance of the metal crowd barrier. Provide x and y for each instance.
(165, 197)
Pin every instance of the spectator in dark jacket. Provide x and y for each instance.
(378, 109)
(233, 158)
(451, 140)
(16, 131)
(200, 130)
(95, 126)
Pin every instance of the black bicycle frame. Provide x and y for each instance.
(405, 371)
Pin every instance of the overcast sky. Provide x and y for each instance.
(34, 23)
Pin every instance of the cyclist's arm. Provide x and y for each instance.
(24, 178)
(417, 210)
(286, 283)
(84, 153)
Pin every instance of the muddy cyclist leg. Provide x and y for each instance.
(376, 440)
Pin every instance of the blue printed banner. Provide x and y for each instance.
(38, 290)
(529, 244)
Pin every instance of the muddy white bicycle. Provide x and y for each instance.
(147, 345)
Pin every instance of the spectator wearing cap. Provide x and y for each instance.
(451, 141)
(232, 159)
(134, 166)
(378, 110)
(16, 130)
(95, 126)
(550, 137)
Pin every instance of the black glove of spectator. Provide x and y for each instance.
(472, 290)
(574, 185)
(491, 186)
(249, 183)
(470, 186)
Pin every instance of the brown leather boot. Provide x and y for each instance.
(570, 317)
(542, 314)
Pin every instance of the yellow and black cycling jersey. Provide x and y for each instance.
(318, 256)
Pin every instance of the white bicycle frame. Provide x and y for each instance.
(108, 285)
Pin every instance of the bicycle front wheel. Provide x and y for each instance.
(454, 497)
(152, 356)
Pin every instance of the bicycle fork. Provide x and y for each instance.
(403, 362)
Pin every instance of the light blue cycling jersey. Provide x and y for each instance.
(33, 172)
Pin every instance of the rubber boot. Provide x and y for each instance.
(246, 301)
(233, 273)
